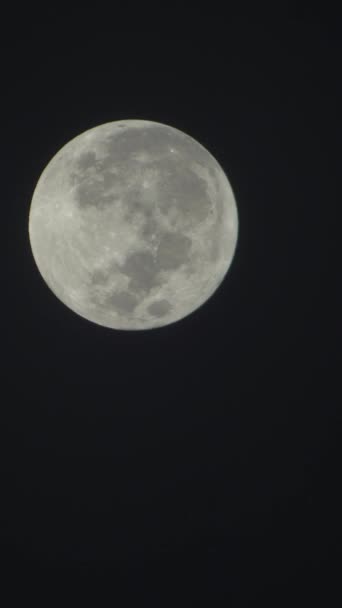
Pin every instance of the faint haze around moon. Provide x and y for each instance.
(133, 224)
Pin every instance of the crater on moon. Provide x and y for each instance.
(160, 308)
(142, 270)
(172, 251)
(123, 301)
(133, 224)
(186, 192)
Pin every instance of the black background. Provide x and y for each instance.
(200, 462)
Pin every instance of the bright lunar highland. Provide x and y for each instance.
(133, 224)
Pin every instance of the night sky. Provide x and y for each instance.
(198, 463)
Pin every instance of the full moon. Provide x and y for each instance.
(133, 225)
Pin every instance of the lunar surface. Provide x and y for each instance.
(133, 225)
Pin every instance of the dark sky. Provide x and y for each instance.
(200, 462)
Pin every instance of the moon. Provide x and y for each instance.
(133, 224)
